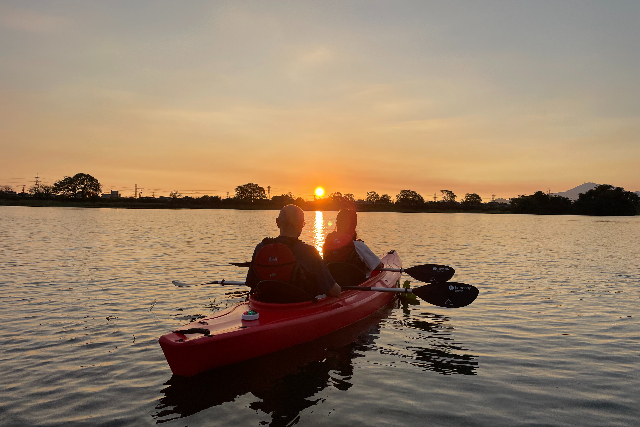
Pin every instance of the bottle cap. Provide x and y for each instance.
(250, 315)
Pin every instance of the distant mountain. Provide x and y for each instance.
(575, 192)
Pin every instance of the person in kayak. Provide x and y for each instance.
(305, 269)
(343, 245)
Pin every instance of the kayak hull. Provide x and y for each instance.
(226, 338)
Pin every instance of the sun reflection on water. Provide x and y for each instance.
(318, 232)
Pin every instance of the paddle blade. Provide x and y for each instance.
(448, 295)
(180, 284)
(241, 264)
(431, 273)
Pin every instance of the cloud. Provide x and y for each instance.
(31, 22)
(309, 61)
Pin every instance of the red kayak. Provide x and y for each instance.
(253, 328)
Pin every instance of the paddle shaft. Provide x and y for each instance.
(377, 289)
(397, 270)
(344, 288)
(214, 282)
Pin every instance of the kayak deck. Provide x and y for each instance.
(226, 338)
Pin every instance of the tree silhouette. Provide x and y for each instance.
(250, 192)
(541, 203)
(372, 197)
(283, 199)
(409, 198)
(472, 199)
(80, 185)
(385, 199)
(607, 200)
(41, 191)
(448, 196)
(336, 197)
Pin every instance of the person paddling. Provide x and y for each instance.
(287, 259)
(343, 245)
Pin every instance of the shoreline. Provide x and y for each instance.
(318, 205)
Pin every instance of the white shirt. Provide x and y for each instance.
(370, 259)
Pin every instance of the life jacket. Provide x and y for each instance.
(275, 262)
(339, 247)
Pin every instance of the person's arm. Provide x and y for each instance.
(321, 275)
(335, 290)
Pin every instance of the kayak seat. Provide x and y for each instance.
(277, 292)
(346, 274)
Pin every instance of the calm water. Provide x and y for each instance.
(552, 340)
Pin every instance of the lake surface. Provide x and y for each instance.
(552, 340)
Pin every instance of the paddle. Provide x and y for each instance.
(448, 295)
(241, 264)
(180, 284)
(428, 273)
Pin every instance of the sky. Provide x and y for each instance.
(490, 97)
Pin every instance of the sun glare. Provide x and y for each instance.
(319, 191)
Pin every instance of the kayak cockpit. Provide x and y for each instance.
(346, 274)
(278, 292)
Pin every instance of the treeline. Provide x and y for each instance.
(604, 200)
(84, 190)
(81, 185)
(404, 201)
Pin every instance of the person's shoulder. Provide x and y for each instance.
(305, 248)
(263, 243)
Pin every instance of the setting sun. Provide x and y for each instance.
(319, 191)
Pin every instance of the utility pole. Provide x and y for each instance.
(227, 194)
(435, 198)
(493, 197)
(269, 191)
(135, 192)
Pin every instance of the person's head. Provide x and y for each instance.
(290, 221)
(346, 222)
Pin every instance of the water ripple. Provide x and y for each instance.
(553, 338)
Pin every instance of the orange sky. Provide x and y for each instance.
(501, 98)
